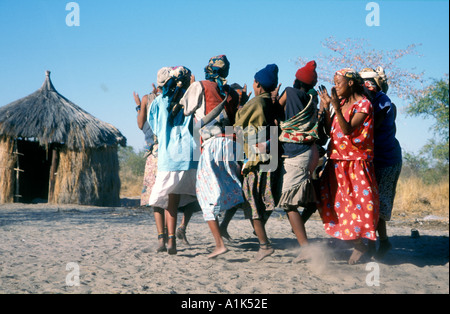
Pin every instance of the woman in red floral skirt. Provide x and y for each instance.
(349, 204)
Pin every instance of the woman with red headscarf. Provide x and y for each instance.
(349, 204)
(299, 131)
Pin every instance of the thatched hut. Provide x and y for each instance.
(52, 150)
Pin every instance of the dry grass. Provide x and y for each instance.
(414, 198)
(131, 185)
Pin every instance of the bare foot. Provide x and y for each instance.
(217, 252)
(181, 235)
(304, 256)
(264, 251)
(162, 239)
(358, 252)
(161, 248)
(385, 246)
(172, 245)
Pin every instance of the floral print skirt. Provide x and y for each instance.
(260, 191)
(151, 168)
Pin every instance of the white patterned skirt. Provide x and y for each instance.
(218, 184)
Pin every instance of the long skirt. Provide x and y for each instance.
(218, 184)
(151, 168)
(349, 204)
(387, 178)
(260, 192)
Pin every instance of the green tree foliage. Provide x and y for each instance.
(131, 162)
(418, 165)
(433, 104)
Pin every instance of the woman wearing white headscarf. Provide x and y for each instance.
(387, 150)
(175, 180)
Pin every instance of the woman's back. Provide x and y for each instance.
(296, 101)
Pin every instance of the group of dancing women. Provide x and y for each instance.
(274, 157)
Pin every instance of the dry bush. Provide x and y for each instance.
(132, 166)
(131, 185)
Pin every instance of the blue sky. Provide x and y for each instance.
(120, 45)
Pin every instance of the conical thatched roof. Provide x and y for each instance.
(51, 118)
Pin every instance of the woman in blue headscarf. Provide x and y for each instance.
(254, 120)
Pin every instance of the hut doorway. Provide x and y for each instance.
(32, 172)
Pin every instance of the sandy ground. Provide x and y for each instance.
(112, 250)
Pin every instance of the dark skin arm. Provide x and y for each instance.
(282, 101)
(142, 113)
(348, 127)
(325, 108)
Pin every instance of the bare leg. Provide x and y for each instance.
(308, 212)
(220, 246)
(299, 230)
(225, 222)
(159, 214)
(385, 245)
(298, 227)
(181, 230)
(188, 212)
(265, 249)
(171, 217)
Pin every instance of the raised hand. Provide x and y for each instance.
(335, 99)
(155, 90)
(244, 97)
(244, 91)
(275, 93)
(136, 98)
(325, 99)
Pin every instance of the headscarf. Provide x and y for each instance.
(268, 77)
(174, 81)
(182, 76)
(351, 74)
(377, 76)
(163, 76)
(308, 74)
(217, 71)
(171, 78)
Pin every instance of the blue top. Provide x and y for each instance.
(296, 101)
(176, 144)
(387, 150)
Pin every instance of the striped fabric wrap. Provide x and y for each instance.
(301, 128)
